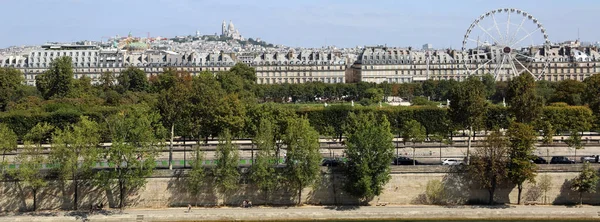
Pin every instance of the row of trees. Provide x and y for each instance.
(135, 134)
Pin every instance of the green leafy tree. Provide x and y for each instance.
(107, 81)
(489, 82)
(132, 79)
(10, 83)
(135, 133)
(369, 151)
(29, 174)
(8, 143)
(173, 104)
(489, 164)
(75, 153)
(262, 172)
(40, 133)
(523, 101)
(522, 145)
(413, 132)
(586, 181)
(468, 107)
(569, 91)
(195, 179)
(574, 141)
(548, 131)
(57, 81)
(591, 95)
(303, 159)
(226, 173)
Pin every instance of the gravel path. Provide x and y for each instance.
(321, 213)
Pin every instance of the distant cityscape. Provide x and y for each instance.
(277, 64)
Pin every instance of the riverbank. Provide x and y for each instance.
(324, 213)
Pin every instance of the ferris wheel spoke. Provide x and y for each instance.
(524, 67)
(479, 67)
(498, 68)
(486, 32)
(520, 40)
(498, 30)
(512, 65)
(508, 29)
(518, 29)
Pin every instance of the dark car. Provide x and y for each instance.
(561, 160)
(404, 161)
(540, 160)
(332, 162)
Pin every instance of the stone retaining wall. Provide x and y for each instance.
(166, 188)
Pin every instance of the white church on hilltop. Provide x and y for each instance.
(230, 31)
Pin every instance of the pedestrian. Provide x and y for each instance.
(189, 208)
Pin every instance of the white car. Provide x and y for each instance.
(452, 162)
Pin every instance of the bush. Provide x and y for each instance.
(559, 104)
(365, 102)
(435, 192)
(422, 101)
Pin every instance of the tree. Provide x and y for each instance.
(468, 107)
(569, 91)
(173, 104)
(8, 143)
(303, 159)
(586, 181)
(489, 164)
(107, 80)
(195, 179)
(134, 134)
(29, 173)
(369, 151)
(75, 153)
(574, 141)
(414, 132)
(262, 172)
(545, 183)
(226, 173)
(522, 145)
(523, 101)
(591, 94)
(10, 82)
(57, 81)
(489, 82)
(132, 79)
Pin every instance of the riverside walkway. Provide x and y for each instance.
(322, 213)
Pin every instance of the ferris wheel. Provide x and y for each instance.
(506, 42)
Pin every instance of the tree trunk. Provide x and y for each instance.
(520, 189)
(469, 145)
(580, 198)
(171, 146)
(34, 199)
(491, 193)
(299, 196)
(75, 192)
(121, 195)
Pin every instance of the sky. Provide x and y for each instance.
(305, 23)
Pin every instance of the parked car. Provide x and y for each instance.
(452, 162)
(540, 160)
(589, 159)
(561, 160)
(332, 162)
(402, 160)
